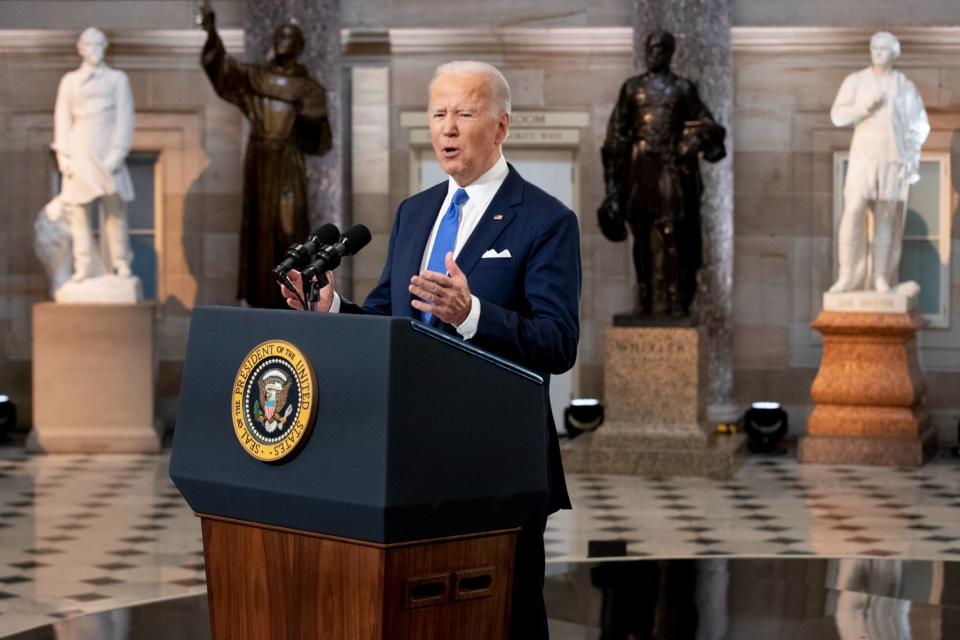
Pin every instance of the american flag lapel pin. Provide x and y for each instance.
(499, 216)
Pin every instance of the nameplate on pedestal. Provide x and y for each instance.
(654, 375)
(869, 302)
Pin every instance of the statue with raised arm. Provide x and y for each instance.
(287, 111)
(890, 125)
(93, 129)
(656, 135)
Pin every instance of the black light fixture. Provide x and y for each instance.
(8, 417)
(583, 414)
(765, 424)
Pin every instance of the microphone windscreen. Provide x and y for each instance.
(327, 234)
(356, 238)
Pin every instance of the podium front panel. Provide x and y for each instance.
(413, 437)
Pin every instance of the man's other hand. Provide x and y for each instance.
(326, 293)
(445, 296)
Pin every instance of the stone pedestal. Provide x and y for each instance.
(868, 394)
(94, 378)
(655, 396)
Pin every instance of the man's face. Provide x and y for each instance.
(91, 50)
(881, 54)
(465, 133)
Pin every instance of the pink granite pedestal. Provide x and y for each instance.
(868, 393)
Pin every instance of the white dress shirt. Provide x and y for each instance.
(481, 193)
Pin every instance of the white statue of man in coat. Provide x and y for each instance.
(890, 125)
(93, 129)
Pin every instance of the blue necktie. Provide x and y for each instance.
(446, 238)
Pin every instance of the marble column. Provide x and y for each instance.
(320, 22)
(702, 30)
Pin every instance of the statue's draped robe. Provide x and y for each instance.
(287, 111)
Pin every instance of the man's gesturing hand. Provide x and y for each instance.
(445, 296)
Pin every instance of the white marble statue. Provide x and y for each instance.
(93, 129)
(890, 125)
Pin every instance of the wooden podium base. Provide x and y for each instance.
(270, 583)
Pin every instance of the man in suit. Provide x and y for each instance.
(492, 258)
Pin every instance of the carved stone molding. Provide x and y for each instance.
(840, 39)
(512, 41)
(161, 45)
(127, 49)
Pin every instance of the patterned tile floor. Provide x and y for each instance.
(85, 533)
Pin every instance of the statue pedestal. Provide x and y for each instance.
(868, 394)
(655, 389)
(94, 374)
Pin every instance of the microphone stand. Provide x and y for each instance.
(315, 285)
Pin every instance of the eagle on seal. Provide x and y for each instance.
(274, 387)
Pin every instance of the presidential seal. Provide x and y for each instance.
(274, 400)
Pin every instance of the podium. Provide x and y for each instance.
(395, 516)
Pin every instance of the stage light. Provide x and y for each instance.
(583, 414)
(8, 417)
(765, 424)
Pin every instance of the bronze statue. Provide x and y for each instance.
(287, 111)
(655, 136)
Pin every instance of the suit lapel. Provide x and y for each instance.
(416, 243)
(495, 220)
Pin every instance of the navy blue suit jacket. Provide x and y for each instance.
(529, 303)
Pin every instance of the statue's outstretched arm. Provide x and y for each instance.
(228, 77)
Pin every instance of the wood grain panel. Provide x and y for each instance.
(264, 584)
(269, 583)
(482, 615)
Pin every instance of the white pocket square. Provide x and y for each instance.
(490, 253)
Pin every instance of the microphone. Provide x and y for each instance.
(328, 258)
(298, 255)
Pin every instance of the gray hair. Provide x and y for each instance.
(885, 38)
(92, 33)
(499, 89)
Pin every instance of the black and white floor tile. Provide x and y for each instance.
(772, 507)
(86, 533)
